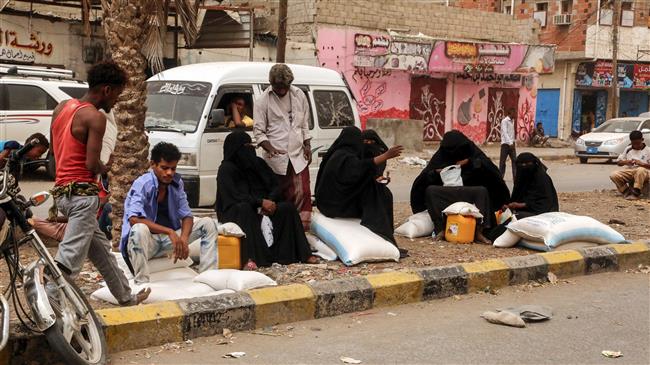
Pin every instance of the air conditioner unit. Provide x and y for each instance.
(562, 19)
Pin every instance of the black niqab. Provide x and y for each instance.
(534, 186)
(374, 149)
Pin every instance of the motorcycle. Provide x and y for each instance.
(54, 304)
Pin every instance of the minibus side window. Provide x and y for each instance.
(240, 98)
(333, 109)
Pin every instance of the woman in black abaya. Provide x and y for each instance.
(483, 185)
(247, 189)
(533, 192)
(347, 185)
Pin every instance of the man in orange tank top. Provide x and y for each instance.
(76, 137)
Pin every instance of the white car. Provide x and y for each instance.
(29, 95)
(610, 139)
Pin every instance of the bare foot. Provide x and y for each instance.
(480, 238)
(312, 260)
(142, 295)
(250, 266)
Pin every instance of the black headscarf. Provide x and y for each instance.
(243, 175)
(349, 141)
(374, 149)
(533, 186)
(480, 171)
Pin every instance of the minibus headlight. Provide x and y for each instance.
(187, 159)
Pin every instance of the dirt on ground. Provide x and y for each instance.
(631, 218)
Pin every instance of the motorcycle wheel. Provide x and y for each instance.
(79, 340)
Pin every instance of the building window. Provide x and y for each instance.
(541, 10)
(566, 7)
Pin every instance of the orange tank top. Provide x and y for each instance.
(69, 153)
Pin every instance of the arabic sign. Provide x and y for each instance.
(15, 48)
(178, 88)
(599, 74)
(641, 76)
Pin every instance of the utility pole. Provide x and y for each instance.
(615, 20)
(282, 32)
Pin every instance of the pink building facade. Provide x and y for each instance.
(461, 85)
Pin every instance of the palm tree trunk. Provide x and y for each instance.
(124, 21)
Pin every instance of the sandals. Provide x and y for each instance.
(250, 266)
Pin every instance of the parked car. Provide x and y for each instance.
(28, 95)
(186, 106)
(610, 139)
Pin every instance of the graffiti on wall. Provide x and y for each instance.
(381, 51)
(12, 48)
(428, 104)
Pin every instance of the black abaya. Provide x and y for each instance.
(243, 182)
(533, 187)
(346, 186)
(479, 171)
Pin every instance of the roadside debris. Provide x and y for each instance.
(413, 161)
(349, 360)
(234, 355)
(616, 221)
(518, 316)
(505, 318)
(552, 278)
(612, 354)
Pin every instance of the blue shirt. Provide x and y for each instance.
(142, 202)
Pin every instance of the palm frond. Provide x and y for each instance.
(187, 12)
(156, 29)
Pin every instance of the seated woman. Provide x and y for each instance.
(236, 114)
(533, 192)
(483, 185)
(347, 185)
(247, 190)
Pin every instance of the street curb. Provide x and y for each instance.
(160, 323)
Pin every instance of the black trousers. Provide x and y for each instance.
(508, 150)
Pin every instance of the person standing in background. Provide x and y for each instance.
(508, 144)
(281, 128)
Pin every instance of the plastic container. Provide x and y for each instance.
(229, 252)
(460, 228)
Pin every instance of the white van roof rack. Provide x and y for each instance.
(39, 71)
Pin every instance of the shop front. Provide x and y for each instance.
(593, 88)
(449, 84)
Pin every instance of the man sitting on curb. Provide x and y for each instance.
(158, 219)
(636, 159)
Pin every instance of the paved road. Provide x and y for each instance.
(568, 177)
(591, 314)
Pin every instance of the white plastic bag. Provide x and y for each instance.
(352, 242)
(417, 225)
(230, 229)
(267, 230)
(163, 291)
(234, 279)
(450, 176)
(320, 249)
(557, 228)
(463, 208)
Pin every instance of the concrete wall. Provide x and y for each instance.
(631, 39)
(403, 132)
(430, 19)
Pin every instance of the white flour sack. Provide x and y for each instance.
(417, 225)
(352, 242)
(557, 228)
